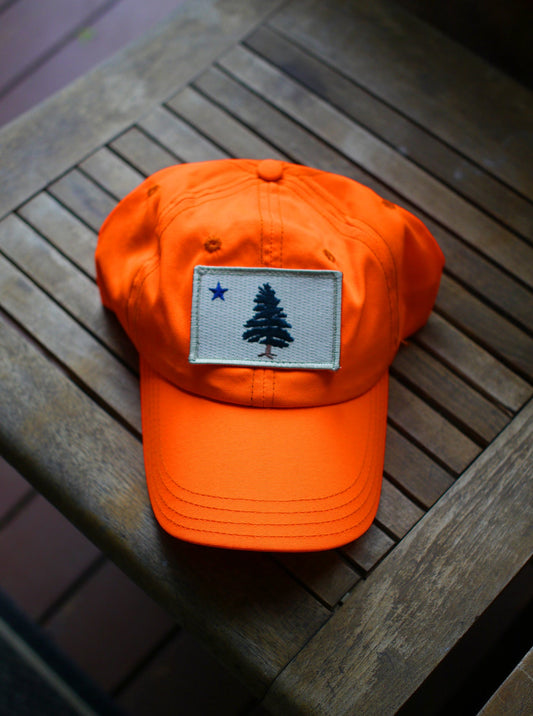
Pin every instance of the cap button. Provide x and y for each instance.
(270, 170)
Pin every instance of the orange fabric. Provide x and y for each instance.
(263, 214)
(300, 479)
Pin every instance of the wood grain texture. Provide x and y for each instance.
(220, 127)
(418, 475)
(406, 136)
(427, 427)
(476, 415)
(111, 173)
(463, 261)
(379, 159)
(106, 101)
(429, 78)
(103, 375)
(62, 229)
(503, 339)
(475, 364)
(178, 137)
(388, 636)
(142, 152)
(251, 613)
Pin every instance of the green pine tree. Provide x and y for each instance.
(268, 326)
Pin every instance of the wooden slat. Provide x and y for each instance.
(418, 475)
(369, 549)
(142, 152)
(381, 160)
(464, 262)
(76, 293)
(220, 127)
(246, 607)
(430, 429)
(386, 643)
(178, 137)
(515, 695)
(62, 230)
(74, 348)
(396, 512)
(326, 574)
(474, 363)
(108, 99)
(111, 173)
(512, 345)
(83, 197)
(429, 78)
(408, 137)
(463, 405)
(491, 282)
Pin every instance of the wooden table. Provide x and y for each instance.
(362, 89)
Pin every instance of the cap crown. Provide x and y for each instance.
(245, 213)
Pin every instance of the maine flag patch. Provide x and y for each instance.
(280, 318)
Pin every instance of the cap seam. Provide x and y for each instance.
(192, 200)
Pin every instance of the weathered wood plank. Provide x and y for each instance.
(326, 574)
(220, 127)
(396, 512)
(179, 137)
(419, 476)
(464, 262)
(386, 635)
(245, 606)
(431, 79)
(110, 98)
(474, 363)
(463, 405)
(141, 152)
(111, 173)
(369, 549)
(379, 159)
(73, 347)
(54, 274)
(512, 345)
(406, 136)
(83, 197)
(485, 278)
(430, 429)
(63, 230)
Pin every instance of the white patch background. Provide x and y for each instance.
(311, 300)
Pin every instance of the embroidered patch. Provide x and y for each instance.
(280, 318)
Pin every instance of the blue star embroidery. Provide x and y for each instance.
(218, 292)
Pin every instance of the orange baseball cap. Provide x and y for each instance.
(267, 301)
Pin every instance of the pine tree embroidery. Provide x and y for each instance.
(268, 326)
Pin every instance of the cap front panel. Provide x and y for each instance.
(261, 224)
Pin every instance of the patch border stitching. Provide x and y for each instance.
(201, 271)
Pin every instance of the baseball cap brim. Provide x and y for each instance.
(278, 479)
